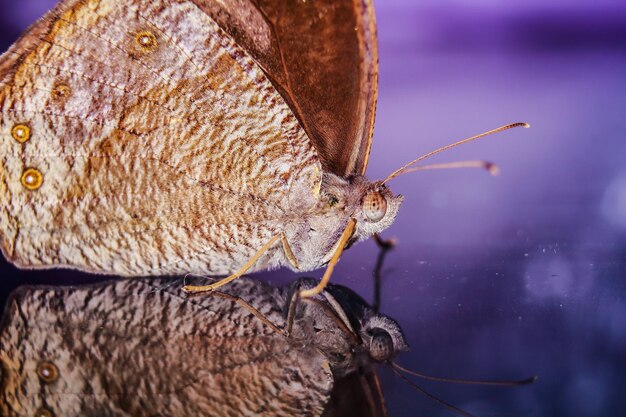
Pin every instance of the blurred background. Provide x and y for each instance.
(493, 277)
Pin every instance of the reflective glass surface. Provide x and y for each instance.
(492, 277)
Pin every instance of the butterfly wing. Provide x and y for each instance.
(137, 348)
(357, 394)
(139, 139)
(322, 55)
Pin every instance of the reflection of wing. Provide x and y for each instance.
(357, 394)
(133, 348)
(162, 146)
(323, 57)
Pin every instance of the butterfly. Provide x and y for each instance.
(253, 350)
(191, 136)
(149, 138)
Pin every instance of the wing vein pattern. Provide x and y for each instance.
(162, 145)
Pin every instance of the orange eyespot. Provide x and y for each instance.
(61, 92)
(48, 372)
(146, 40)
(21, 133)
(374, 206)
(32, 179)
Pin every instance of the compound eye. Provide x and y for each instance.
(374, 206)
(381, 346)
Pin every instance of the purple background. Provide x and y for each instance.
(495, 277)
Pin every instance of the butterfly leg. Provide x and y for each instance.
(192, 289)
(288, 252)
(341, 244)
(291, 312)
(243, 303)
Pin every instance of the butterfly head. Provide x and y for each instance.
(371, 204)
(376, 209)
(382, 337)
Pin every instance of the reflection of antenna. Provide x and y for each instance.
(397, 369)
(404, 169)
(431, 396)
(385, 246)
(468, 381)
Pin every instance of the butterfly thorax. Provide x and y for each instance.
(345, 329)
(314, 236)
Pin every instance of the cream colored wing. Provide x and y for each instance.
(138, 139)
(138, 348)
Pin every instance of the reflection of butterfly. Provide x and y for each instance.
(130, 348)
(176, 136)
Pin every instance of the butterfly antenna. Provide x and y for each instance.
(431, 396)
(490, 167)
(404, 168)
(467, 381)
